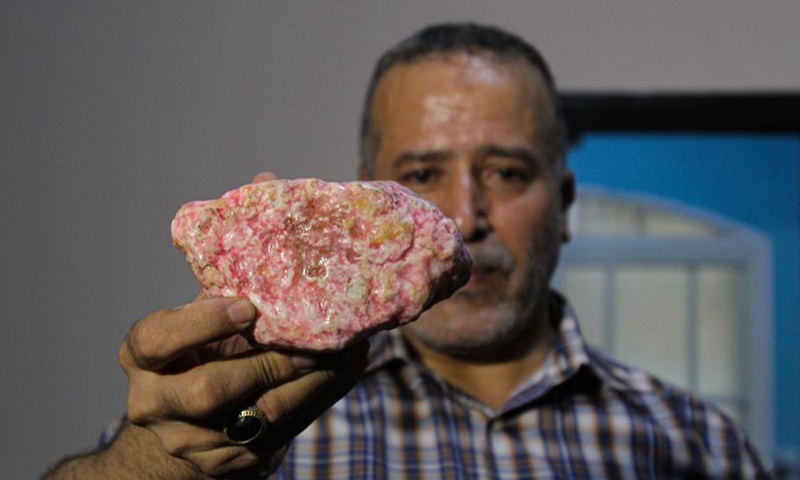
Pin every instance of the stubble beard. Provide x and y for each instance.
(485, 322)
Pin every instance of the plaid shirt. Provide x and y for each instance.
(582, 415)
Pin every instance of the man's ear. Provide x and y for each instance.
(568, 193)
(264, 177)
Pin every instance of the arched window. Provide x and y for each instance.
(682, 293)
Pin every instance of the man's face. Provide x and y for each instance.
(463, 131)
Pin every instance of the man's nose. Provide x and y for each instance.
(468, 207)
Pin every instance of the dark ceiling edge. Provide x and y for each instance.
(772, 112)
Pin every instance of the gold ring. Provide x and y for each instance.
(248, 426)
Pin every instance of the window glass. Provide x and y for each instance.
(651, 314)
(718, 332)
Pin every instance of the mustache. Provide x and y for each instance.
(491, 257)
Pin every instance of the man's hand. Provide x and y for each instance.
(189, 370)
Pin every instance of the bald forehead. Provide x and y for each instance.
(477, 67)
(439, 87)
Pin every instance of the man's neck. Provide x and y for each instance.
(494, 382)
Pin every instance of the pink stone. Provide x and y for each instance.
(325, 264)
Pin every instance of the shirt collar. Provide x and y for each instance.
(387, 347)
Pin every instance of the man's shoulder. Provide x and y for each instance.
(663, 402)
(635, 390)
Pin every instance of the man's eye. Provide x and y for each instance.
(418, 176)
(512, 174)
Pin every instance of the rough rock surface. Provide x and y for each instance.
(325, 264)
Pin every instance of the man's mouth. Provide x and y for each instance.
(482, 275)
(491, 264)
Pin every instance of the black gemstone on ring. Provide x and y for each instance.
(244, 428)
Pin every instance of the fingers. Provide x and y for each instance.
(201, 389)
(206, 390)
(294, 409)
(281, 403)
(209, 452)
(181, 385)
(264, 177)
(164, 336)
(290, 405)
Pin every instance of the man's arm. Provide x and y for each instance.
(134, 455)
(188, 369)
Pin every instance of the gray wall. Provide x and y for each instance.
(114, 113)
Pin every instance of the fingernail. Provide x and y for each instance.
(241, 312)
(304, 362)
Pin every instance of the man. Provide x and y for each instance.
(495, 382)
